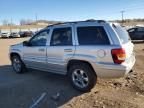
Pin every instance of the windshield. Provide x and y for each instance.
(122, 33)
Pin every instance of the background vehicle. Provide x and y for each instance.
(26, 34)
(14, 35)
(82, 50)
(0, 33)
(136, 33)
(5, 35)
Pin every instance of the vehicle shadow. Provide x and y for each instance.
(26, 88)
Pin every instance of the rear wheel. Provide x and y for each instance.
(17, 64)
(82, 77)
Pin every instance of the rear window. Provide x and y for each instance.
(92, 35)
(122, 33)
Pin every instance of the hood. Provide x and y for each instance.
(17, 46)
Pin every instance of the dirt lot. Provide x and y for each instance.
(22, 91)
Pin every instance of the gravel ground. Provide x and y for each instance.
(36, 89)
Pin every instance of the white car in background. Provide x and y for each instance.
(14, 35)
(5, 35)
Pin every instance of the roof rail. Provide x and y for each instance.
(56, 24)
(89, 20)
(99, 21)
(61, 23)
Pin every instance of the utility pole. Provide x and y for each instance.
(36, 18)
(11, 21)
(122, 14)
(11, 26)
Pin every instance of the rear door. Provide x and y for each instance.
(94, 43)
(61, 48)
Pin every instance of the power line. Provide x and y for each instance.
(134, 8)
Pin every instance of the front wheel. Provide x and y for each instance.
(82, 77)
(17, 64)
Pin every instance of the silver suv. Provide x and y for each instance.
(82, 50)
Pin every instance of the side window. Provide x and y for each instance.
(39, 39)
(92, 35)
(141, 29)
(131, 30)
(61, 37)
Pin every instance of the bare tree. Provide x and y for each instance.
(22, 22)
(5, 22)
(25, 21)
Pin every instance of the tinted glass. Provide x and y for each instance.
(131, 30)
(92, 36)
(61, 37)
(40, 38)
(141, 29)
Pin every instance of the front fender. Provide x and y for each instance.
(15, 51)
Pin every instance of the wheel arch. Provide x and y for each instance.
(74, 61)
(13, 54)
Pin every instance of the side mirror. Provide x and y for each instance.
(26, 43)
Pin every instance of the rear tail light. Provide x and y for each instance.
(118, 55)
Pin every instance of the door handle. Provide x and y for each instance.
(42, 50)
(68, 50)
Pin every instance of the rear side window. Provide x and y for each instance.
(122, 33)
(92, 35)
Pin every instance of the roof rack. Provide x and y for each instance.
(89, 20)
(55, 24)
(101, 21)
(93, 20)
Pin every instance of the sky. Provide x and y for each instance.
(70, 10)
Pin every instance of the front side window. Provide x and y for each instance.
(39, 39)
(92, 35)
(61, 37)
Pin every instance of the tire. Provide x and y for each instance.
(82, 77)
(17, 64)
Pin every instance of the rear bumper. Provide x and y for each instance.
(104, 70)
